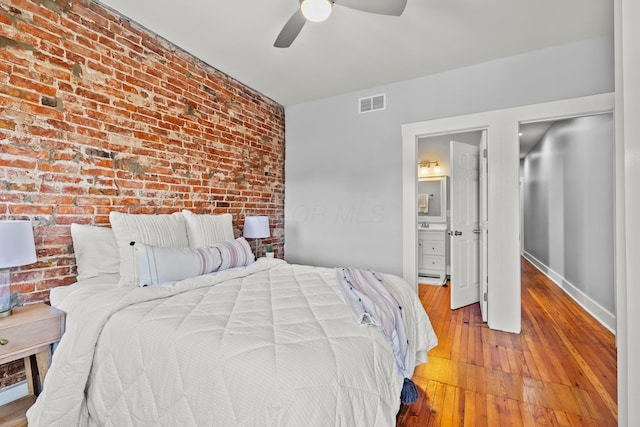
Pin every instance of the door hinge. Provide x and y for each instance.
(484, 153)
(484, 297)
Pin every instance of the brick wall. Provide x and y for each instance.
(98, 114)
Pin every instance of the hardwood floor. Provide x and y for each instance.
(560, 371)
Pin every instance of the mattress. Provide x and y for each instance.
(271, 344)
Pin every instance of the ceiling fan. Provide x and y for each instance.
(319, 10)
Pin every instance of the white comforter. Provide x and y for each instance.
(270, 345)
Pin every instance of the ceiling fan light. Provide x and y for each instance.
(316, 10)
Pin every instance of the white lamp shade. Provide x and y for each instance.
(256, 227)
(16, 244)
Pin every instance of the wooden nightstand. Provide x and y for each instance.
(28, 333)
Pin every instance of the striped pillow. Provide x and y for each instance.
(158, 265)
(234, 253)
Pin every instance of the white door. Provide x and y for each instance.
(464, 242)
(483, 232)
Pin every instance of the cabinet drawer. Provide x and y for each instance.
(28, 329)
(432, 248)
(28, 336)
(433, 262)
(432, 236)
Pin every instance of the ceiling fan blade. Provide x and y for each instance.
(382, 7)
(290, 30)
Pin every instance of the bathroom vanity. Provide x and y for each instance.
(432, 255)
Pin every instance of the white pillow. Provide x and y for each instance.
(96, 250)
(234, 253)
(158, 265)
(168, 231)
(203, 230)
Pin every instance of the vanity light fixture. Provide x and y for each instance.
(425, 165)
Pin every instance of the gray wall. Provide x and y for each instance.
(343, 198)
(568, 199)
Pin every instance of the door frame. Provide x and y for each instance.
(484, 232)
(503, 204)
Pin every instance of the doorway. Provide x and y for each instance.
(504, 311)
(567, 177)
(462, 228)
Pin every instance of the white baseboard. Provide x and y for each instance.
(607, 319)
(13, 392)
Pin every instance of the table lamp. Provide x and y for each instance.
(256, 227)
(16, 248)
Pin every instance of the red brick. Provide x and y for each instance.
(39, 33)
(94, 201)
(25, 152)
(93, 14)
(22, 288)
(51, 199)
(59, 167)
(32, 85)
(30, 210)
(15, 92)
(58, 281)
(39, 110)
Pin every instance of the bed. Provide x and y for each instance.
(262, 343)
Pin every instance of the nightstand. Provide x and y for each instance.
(28, 333)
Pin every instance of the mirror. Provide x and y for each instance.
(432, 199)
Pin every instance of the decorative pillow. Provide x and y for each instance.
(169, 231)
(158, 265)
(234, 253)
(203, 230)
(96, 250)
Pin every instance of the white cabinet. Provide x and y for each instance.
(432, 259)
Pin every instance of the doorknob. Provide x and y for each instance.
(477, 231)
(457, 233)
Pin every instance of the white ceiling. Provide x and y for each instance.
(356, 50)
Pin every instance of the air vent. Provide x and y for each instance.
(372, 103)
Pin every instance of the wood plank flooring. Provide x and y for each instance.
(560, 371)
